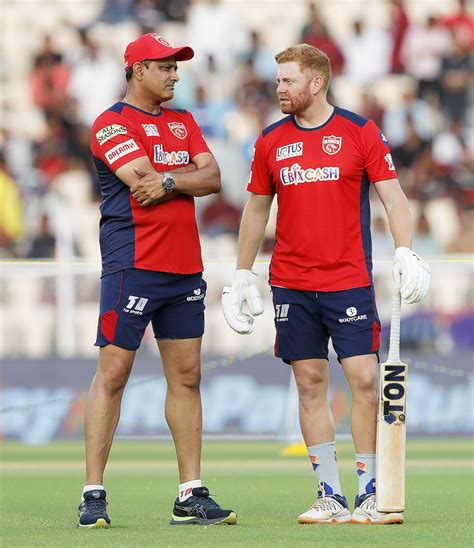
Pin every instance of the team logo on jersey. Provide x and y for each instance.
(110, 131)
(151, 130)
(389, 160)
(160, 156)
(296, 174)
(289, 151)
(161, 40)
(121, 150)
(332, 144)
(178, 129)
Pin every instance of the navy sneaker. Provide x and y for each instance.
(200, 509)
(92, 511)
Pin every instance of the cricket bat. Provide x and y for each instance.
(391, 426)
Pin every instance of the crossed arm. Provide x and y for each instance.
(199, 178)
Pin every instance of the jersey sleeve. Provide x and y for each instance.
(197, 144)
(260, 180)
(114, 140)
(378, 161)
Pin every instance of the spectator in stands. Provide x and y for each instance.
(366, 43)
(456, 70)
(423, 116)
(261, 58)
(449, 148)
(49, 79)
(319, 37)
(116, 11)
(461, 23)
(422, 51)
(220, 216)
(209, 114)
(398, 25)
(43, 245)
(243, 123)
(148, 14)
(52, 151)
(371, 108)
(382, 242)
(424, 241)
(100, 68)
(463, 242)
(313, 15)
(172, 10)
(253, 86)
(412, 148)
(11, 212)
(216, 30)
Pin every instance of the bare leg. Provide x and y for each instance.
(182, 368)
(316, 421)
(361, 374)
(103, 408)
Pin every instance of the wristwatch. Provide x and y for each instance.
(169, 184)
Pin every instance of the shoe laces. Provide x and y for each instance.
(326, 503)
(205, 502)
(95, 506)
(370, 503)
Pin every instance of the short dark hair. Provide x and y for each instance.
(129, 73)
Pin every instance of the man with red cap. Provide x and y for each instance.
(151, 162)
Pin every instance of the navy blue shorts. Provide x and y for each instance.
(131, 298)
(304, 321)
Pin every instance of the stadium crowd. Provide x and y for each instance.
(413, 78)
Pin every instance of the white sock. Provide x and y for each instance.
(324, 461)
(186, 489)
(366, 467)
(91, 488)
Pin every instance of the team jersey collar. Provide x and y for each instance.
(141, 110)
(297, 126)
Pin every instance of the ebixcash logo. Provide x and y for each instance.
(352, 316)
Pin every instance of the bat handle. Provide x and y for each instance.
(394, 347)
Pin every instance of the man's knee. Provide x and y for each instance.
(364, 384)
(311, 385)
(113, 375)
(187, 375)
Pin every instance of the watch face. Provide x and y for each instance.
(168, 183)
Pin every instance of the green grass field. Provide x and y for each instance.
(40, 489)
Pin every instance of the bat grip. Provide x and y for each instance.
(394, 347)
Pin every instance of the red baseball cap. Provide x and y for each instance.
(154, 46)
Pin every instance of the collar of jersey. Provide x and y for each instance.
(297, 126)
(141, 110)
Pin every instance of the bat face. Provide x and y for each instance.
(391, 437)
(393, 393)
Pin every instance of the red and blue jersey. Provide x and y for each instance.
(321, 177)
(163, 237)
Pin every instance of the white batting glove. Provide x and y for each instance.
(242, 293)
(412, 274)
